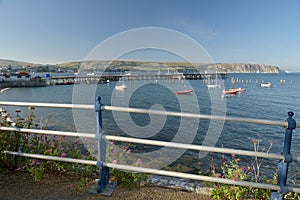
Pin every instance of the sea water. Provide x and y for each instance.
(256, 102)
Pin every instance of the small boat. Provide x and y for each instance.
(183, 92)
(120, 87)
(233, 90)
(2, 90)
(230, 91)
(266, 84)
(213, 86)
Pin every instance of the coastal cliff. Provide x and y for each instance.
(241, 68)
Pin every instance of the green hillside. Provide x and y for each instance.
(125, 65)
(4, 62)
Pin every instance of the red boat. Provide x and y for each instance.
(230, 91)
(233, 91)
(183, 92)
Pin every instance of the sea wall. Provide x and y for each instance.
(19, 83)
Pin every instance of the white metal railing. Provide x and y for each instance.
(153, 142)
(197, 116)
(154, 112)
(102, 164)
(47, 105)
(49, 132)
(54, 158)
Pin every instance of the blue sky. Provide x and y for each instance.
(231, 31)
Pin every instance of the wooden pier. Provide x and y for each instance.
(96, 79)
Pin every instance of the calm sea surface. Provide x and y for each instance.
(263, 103)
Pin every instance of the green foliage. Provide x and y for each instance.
(233, 171)
(128, 179)
(58, 146)
(122, 155)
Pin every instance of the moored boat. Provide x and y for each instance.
(233, 90)
(230, 91)
(268, 84)
(2, 90)
(120, 87)
(183, 92)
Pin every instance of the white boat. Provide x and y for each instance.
(266, 84)
(213, 86)
(209, 82)
(120, 87)
(4, 89)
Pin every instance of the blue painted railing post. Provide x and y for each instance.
(283, 165)
(103, 171)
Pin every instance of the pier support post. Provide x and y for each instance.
(104, 171)
(283, 165)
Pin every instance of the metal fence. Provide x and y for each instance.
(285, 158)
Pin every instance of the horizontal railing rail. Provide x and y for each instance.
(199, 147)
(154, 142)
(197, 116)
(157, 172)
(152, 112)
(49, 132)
(285, 158)
(47, 105)
(53, 158)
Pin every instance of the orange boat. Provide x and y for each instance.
(233, 91)
(230, 91)
(183, 92)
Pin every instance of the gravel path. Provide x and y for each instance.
(15, 186)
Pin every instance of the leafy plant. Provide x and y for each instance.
(40, 144)
(56, 146)
(122, 155)
(233, 170)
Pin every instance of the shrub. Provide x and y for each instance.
(233, 170)
(121, 154)
(39, 144)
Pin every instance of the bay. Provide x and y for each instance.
(256, 102)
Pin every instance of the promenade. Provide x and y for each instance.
(20, 186)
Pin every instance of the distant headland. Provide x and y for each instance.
(126, 65)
